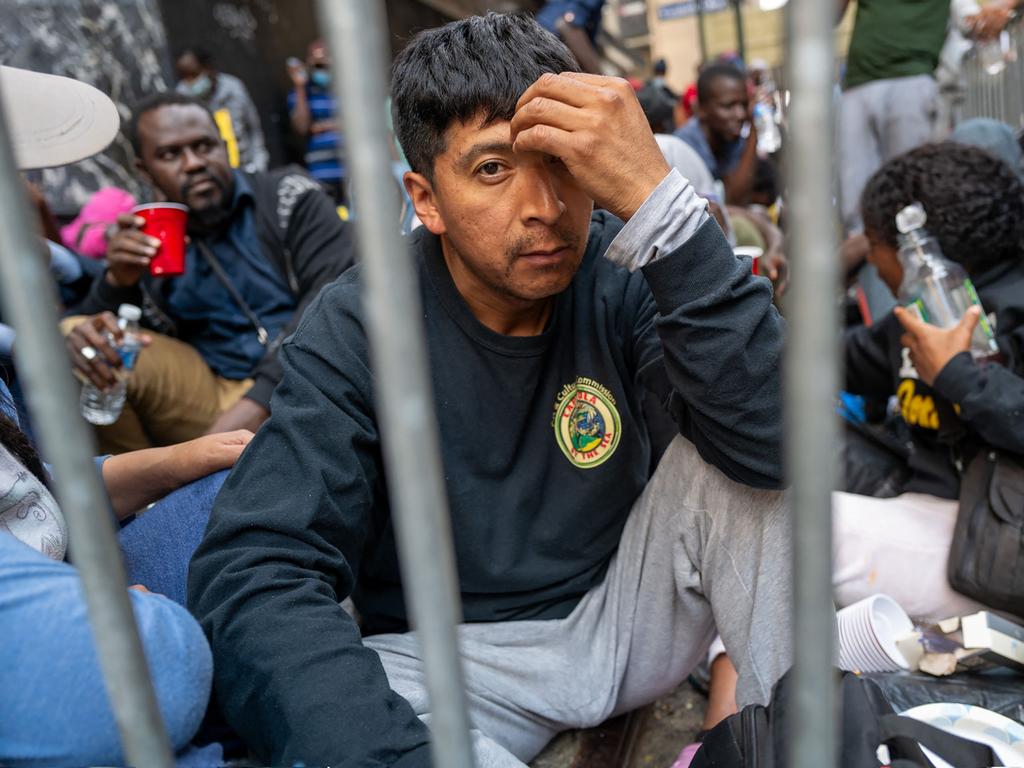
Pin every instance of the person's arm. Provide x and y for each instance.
(321, 248)
(128, 255)
(739, 182)
(990, 397)
(773, 263)
(706, 341)
(866, 359)
(137, 479)
(299, 116)
(283, 549)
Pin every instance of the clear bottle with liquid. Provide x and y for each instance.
(936, 289)
(769, 137)
(104, 407)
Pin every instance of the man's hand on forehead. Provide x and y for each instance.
(596, 127)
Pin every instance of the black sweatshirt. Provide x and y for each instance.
(544, 449)
(989, 397)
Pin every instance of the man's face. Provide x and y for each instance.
(886, 261)
(515, 223)
(183, 156)
(188, 67)
(725, 110)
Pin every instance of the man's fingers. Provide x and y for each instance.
(563, 88)
(908, 320)
(547, 139)
(130, 220)
(544, 111)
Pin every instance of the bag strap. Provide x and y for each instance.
(907, 735)
(222, 276)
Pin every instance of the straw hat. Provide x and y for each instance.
(55, 120)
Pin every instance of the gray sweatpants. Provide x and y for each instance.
(698, 550)
(878, 121)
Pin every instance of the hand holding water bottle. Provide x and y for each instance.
(932, 348)
(105, 360)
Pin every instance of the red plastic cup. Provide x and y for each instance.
(165, 222)
(753, 252)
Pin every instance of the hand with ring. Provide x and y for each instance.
(95, 358)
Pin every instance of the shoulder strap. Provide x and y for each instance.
(222, 276)
(907, 735)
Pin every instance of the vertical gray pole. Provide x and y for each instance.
(741, 39)
(702, 31)
(811, 381)
(357, 33)
(29, 304)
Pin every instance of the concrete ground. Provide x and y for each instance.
(651, 737)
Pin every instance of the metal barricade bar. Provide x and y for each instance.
(811, 380)
(356, 33)
(29, 302)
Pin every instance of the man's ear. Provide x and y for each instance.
(421, 192)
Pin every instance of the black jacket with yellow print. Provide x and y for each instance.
(969, 405)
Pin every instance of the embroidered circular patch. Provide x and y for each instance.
(586, 423)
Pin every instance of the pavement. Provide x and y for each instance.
(651, 737)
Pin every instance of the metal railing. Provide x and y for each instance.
(356, 32)
(811, 373)
(30, 306)
(993, 78)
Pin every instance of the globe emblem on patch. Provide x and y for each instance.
(586, 429)
(586, 424)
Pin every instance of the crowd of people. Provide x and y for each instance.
(602, 267)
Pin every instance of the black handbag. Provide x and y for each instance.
(986, 559)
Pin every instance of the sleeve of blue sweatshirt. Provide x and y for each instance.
(290, 670)
(712, 351)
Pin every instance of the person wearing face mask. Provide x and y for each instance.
(314, 118)
(228, 99)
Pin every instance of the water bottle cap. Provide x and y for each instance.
(129, 312)
(910, 218)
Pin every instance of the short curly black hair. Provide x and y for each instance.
(974, 202)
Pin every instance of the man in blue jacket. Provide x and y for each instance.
(589, 587)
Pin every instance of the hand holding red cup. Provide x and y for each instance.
(166, 222)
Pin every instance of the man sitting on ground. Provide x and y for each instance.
(716, 131)
(589, 588)
(262, 246)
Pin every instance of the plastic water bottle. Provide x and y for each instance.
(769, 137)
(104, 407)
(934, 288)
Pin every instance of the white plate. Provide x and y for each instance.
(1005, 736)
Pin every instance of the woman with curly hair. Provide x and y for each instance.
(952, 405)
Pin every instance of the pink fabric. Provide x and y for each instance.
(87, 233)
(686, 756)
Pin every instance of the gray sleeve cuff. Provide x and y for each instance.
(668, 218)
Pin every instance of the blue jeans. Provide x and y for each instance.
(158, 544)
(53, 706)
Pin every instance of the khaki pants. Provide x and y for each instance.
(172, 396)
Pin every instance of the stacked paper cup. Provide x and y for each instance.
(868, 631)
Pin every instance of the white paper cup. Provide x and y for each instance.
(868, 631)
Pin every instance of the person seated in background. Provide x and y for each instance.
(55, 707)
(261, 247)
(576, 23)
(229, 101)
(950, 403)
(589, 586)
(313, 114)
(716, 131)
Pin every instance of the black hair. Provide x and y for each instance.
(974, 202)
(18, 444)
(713, 72)
(659, 108)
(660, 67)
(766, 180)
(477, 66)
(154, 102)
(203, 56)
